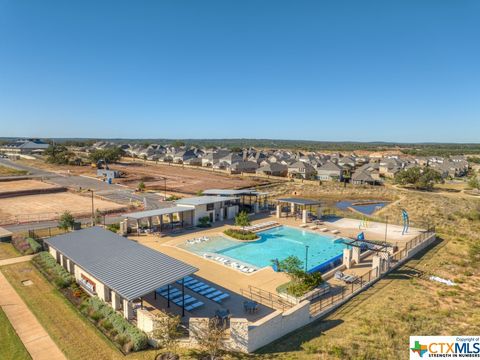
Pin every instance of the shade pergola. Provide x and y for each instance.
(184, 212)
(297, 203)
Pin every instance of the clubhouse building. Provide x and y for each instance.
(119, 271)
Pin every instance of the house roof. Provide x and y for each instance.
(330, 166)
(128, 268)
(273, 167)
(229, 192)
(362, 175)
(203, 200)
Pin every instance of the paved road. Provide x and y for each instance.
(112, 192)
(54, 223)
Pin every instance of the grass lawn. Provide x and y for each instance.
(8, 171)
(11, 347)
(75, 336)
(377, 323)
(7, 251)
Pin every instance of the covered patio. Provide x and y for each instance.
(298, 208)
(251, 201)
(159, 220)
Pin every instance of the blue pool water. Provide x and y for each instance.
(277, 243)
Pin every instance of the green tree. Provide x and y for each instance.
(420, 178)
(111, 155)
(301, 280)
(204, 221)
(292, 266)
(428, 179)
(66, 221)
(58, 154)
(242, 219)
(141, 186)
(474, 182)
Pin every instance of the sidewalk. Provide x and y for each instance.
(36, 340)
(15, 260)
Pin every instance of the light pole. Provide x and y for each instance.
(306, 258)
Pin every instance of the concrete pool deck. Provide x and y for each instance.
(265, 278)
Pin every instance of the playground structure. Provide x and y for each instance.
(364, 223)
(406, 221)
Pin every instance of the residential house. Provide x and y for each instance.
(300, 169)
(273, 169)
(329, 172)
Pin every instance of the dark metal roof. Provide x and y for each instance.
(203, 200)
(299, 201)
(157, 212)
(128, 268)
(229, 192)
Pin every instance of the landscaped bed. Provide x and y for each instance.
(123, 334)
(241, 234)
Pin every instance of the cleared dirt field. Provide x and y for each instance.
(179, 179)
(182, 180)
(49, 206)
(19, 185)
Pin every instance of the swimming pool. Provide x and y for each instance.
(277, 243)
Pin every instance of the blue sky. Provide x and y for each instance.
(405, 70)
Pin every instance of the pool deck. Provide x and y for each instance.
(265, 278)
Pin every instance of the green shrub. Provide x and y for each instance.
(241, 234)
(113, 227)
(35, 246)
(60, 277)
(204, 222)
(117, 325)
(96, 316)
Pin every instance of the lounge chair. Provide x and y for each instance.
(323, 229)
(335, 231)
(219, 298)
(207, 291)
(196, 285)
(303, 225)
(349, 279)
(200, 288)
(213, 294)
(193, 306)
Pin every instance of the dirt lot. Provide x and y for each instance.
(179, 179)
(20, 185)
(49, 206)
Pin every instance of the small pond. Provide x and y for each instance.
(367, 207)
